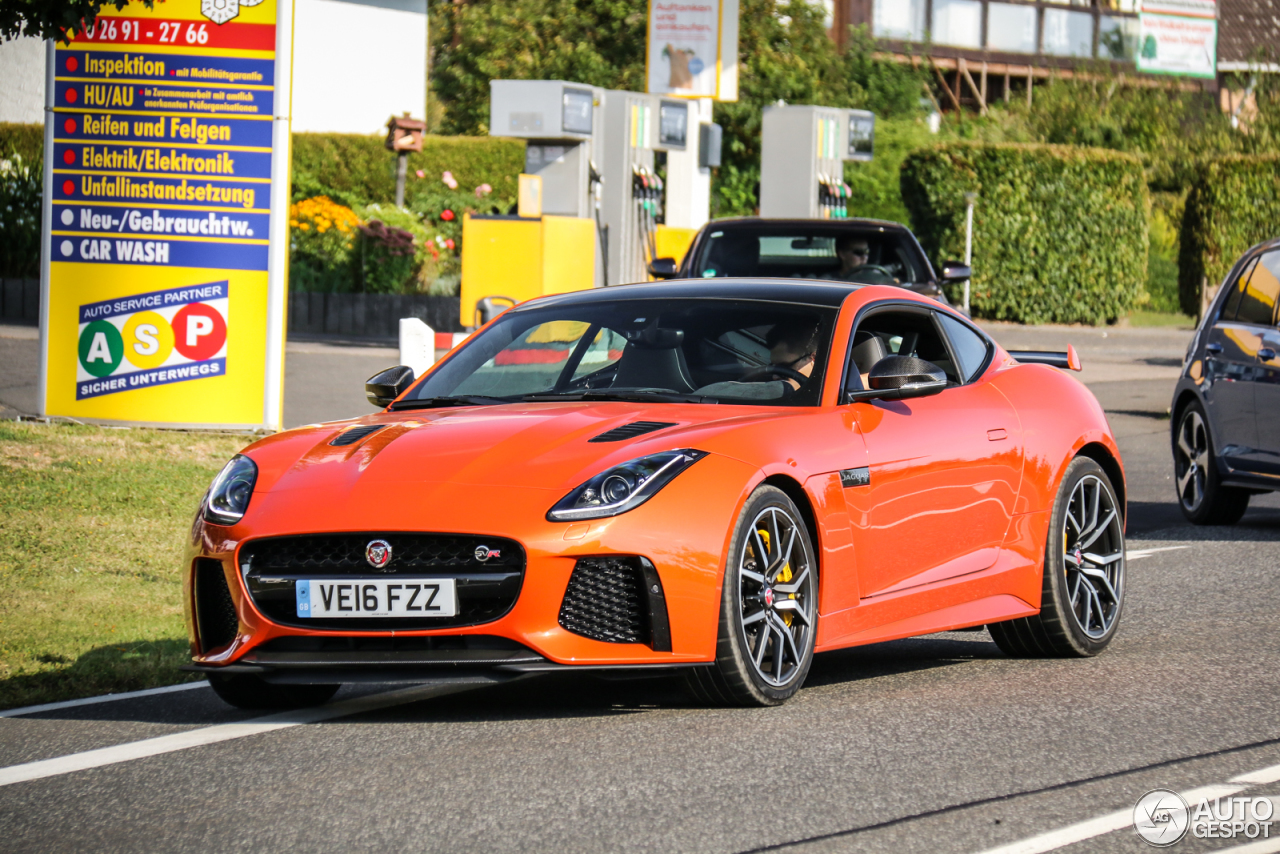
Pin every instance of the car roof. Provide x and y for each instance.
(798, 222)
(800, 291)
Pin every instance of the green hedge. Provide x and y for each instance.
(21, 188)
(356, 170)
(1060, 233)
(1233, 204)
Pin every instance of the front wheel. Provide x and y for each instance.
(1083, 590)
(250, 692)
(1201, 495)
(768, 610)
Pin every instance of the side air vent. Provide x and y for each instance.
(617, 600)
(216, 619)
(630, 431)
(355, 434)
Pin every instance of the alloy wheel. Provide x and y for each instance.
(1093, 557)
(1191, 460)
(776, 597)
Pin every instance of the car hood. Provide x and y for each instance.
(543, 446)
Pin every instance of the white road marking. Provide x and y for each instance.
(1139, 554)
(105, 698)
(1121, 819)
(214, 734)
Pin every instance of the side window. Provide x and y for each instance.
(971, 348)
(1232, 304)
(897, 333)
(1258, 299)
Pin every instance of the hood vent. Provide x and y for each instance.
(355, 434)
(630, 431)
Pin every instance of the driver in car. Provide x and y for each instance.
(792, 347)
(855, 256)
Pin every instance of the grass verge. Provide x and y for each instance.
(1162, 318)
(92, 522)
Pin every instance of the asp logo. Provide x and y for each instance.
(152, 339)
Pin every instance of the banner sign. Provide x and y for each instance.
(692, 49)
(165, 191)
(1178, 37)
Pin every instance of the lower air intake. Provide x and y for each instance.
(216, 619)
(606, 601)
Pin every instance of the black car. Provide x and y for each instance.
(1226, 407)
(751, 247)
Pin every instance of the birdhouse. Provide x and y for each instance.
(405, 134)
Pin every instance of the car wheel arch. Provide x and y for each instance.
(1102, 455)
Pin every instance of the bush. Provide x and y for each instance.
(1162, 257)
(1060, 233)
(876, 186)
(322, 241)
(1233, 204)
(356, 170)
(21, 191)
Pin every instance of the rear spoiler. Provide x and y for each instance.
(1058, 359)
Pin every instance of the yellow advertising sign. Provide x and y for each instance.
(166, 156)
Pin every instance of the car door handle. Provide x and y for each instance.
(997, 434)
(1213, 348)
(1266, 354)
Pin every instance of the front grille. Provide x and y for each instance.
(410, 552)
(216, 620)
(487, 589)
(606, 601)
(355, 434)
(630, 431)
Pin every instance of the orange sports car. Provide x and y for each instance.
(717, 479)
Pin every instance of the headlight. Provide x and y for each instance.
(229, 495)
(623, 487)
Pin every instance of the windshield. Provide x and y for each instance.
(869, 256)
(679, 350)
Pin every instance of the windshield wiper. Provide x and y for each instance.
(643, 396)
(460, 400)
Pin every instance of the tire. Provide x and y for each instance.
(1201, 495)
(250, 692)
(762, 657)
(1082, 597)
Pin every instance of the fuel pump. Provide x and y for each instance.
(636, 202)
(513, 258)
(803, 152)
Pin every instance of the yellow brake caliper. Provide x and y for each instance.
(783, 577)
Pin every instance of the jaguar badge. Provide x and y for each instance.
(483, 553)
(378, 553)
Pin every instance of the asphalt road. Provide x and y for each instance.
(936, 744)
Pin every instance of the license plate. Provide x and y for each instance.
(401, 597)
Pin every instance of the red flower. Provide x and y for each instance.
(447, 216)
(448, 242)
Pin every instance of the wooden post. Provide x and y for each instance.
(951, 96)
(1030, 85)
(1007, 81)
(977, 93)
(984, 83)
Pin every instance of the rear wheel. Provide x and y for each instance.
(1083, 589)
(250, 692)
(1201, 495)
(768, 610)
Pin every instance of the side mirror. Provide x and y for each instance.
(954, 271)
(899, 378)
(664, 268)
(385, 386)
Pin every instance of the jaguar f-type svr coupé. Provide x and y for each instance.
(716, 478)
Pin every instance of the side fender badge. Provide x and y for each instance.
(855, 477)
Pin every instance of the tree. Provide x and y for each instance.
(50, 19)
